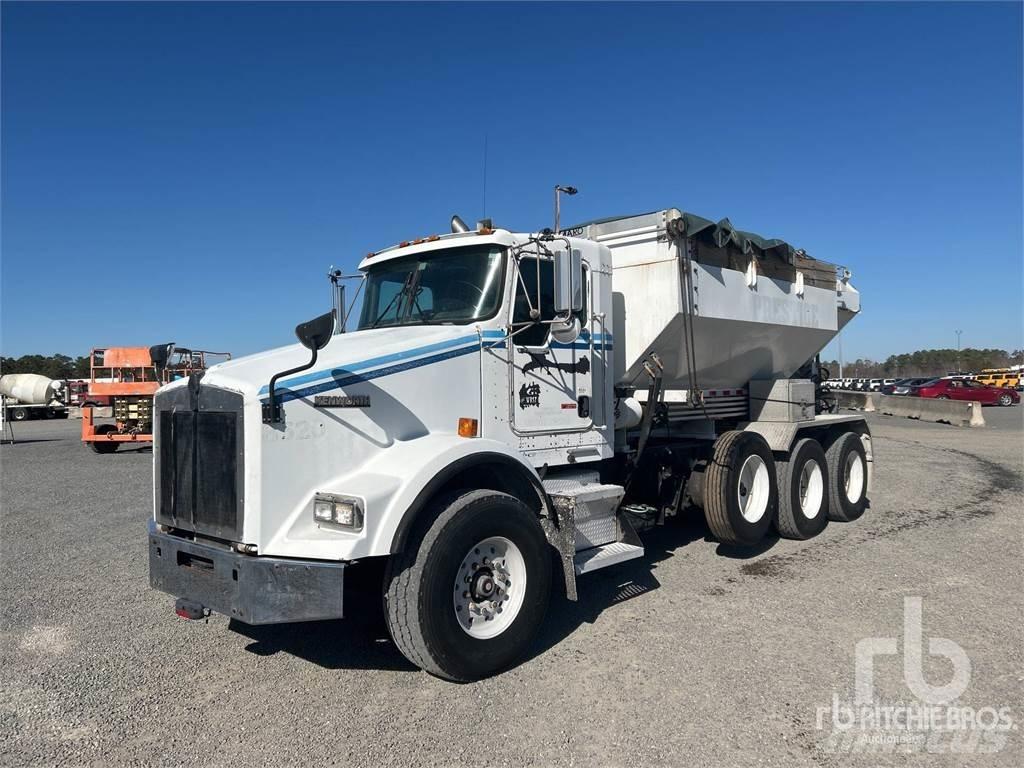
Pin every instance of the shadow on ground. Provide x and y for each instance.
(361, 640)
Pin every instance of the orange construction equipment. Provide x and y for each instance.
(129, 377)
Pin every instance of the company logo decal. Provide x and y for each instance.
(529, 396)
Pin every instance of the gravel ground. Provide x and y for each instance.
(695, 655)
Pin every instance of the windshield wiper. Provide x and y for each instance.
(414, 289)
(402, 291)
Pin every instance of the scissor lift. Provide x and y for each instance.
(129, 378)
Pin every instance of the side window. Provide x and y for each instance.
(584, 314)
(537, 335)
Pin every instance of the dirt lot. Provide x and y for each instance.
(694, 655)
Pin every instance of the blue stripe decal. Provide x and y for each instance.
(601, 339)
(348, 374)
(364, 364)
(584, 336)
(343, 377)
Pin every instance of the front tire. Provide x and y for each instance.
(1005, 400)
(19, 414)
(803, 491)
(847, 478)
(454, 607)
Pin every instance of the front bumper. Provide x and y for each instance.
(254, 590)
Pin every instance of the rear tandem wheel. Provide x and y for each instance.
(741, 494)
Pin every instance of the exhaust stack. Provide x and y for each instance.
(458, 225)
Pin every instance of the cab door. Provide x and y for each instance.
(552, 381)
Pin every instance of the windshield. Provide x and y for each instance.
(452, 286)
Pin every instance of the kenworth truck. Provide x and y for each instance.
(513, 409)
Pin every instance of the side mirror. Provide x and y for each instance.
(314, 334)
(160, 354)
(568, 282)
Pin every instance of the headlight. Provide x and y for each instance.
(341, 511)
(323, 511)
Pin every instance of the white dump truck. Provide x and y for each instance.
(512, 410)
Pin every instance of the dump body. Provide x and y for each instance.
(760, 309)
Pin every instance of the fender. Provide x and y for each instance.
(422, 466)
(396, 484)
(516, 472)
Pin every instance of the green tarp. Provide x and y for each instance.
(724, 234)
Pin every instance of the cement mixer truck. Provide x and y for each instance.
(32, 396)
(513, 411)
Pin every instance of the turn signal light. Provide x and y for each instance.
(468, 427)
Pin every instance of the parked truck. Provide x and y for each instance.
(26, 396)
(507, 397)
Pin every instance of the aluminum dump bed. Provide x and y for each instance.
(719, 306)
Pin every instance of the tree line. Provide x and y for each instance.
(927, 362)
(924, 362)
(51, 366)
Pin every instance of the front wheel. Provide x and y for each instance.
(19, 414)
(466, 597)
(1005, 400)
(943, 397)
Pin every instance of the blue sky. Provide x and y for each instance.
(188, 172)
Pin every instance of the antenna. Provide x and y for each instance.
(485, 176)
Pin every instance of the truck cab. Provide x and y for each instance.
(481, 417)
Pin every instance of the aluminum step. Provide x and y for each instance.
(570, 482)
(608, 554)
(593, 512)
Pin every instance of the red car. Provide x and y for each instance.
(966, 389)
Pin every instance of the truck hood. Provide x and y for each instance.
(344, 356)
